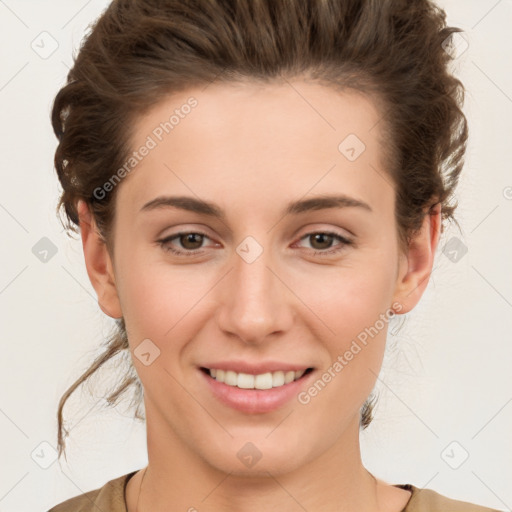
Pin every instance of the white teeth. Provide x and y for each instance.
(262, 381)
(299, 374)
(288, 377)
(231, 378)
(277, 379)
(244, 381)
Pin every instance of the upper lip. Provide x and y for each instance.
(255, 368)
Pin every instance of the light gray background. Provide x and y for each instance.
(446, 377)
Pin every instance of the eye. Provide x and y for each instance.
(325, 238)
(189, 240)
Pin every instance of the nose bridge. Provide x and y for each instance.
(253, 301)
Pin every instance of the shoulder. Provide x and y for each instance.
(109, 497)
(428, 500)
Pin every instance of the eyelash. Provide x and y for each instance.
(164, 243)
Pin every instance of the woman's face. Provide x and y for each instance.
(265, 287)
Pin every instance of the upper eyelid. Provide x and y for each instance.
(204, 230)
(228, 234)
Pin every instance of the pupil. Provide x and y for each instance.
(189, 237)
(321, 235)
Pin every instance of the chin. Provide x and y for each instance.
(256, 457)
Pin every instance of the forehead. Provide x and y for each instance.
(270, 136)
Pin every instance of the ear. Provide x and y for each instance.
(415, 267)
(98, 263)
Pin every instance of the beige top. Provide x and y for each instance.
(111, 498)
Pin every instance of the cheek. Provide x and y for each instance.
(357, 313)
(161, 299)
(354, 303)
(168, 305)
(154, 296)
(351, 297)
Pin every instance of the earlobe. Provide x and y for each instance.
(98, 263)
(416, 267)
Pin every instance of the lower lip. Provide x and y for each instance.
(255, 400)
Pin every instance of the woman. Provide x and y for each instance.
(260, 186)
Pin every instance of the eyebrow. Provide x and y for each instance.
(203, 207)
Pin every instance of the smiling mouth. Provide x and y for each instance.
(261, 381)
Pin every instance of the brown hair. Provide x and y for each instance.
(140, 51)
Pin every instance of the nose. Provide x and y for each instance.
(254, 300)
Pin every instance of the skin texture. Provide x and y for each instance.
(251, 149)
